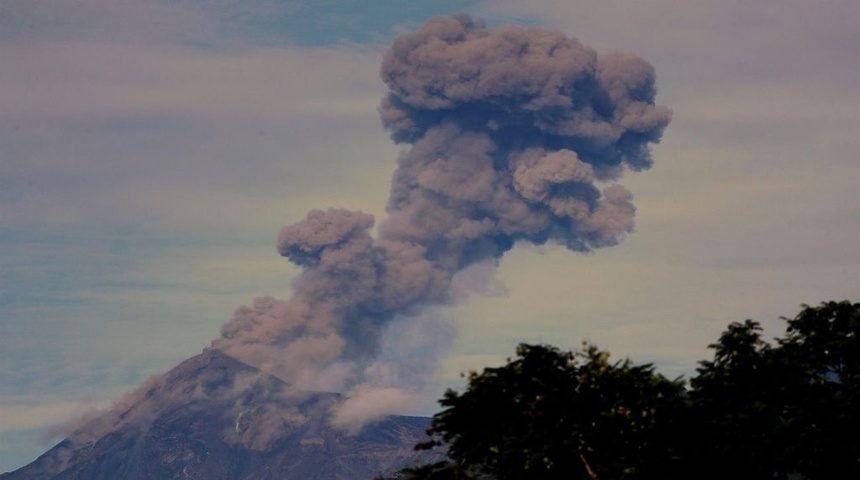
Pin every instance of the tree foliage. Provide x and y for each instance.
(792, 408)
(756, 410)
(559, 415)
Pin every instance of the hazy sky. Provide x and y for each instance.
(150, 151)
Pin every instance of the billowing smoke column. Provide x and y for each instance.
(516, 135)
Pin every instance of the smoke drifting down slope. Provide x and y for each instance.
(517, 135)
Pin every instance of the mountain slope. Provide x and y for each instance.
(213, 417)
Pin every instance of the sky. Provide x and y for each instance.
(150, 152)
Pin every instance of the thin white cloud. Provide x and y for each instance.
(163, 131)
(28, 412)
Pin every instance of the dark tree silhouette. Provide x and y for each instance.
(793, 408)
(549, 414)
(756, 410)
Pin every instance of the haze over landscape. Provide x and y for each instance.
(153, 151)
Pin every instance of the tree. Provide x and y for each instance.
(822, 351)
(444, 470)
(756, 410)
(731, 404)
(793, 408)
(550, 414)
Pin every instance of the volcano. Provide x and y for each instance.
(213, 417)
(515, 135)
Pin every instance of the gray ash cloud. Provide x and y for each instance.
(515, 135)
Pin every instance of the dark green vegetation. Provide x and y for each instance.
(756, 410)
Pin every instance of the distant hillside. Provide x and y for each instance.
(212, 418)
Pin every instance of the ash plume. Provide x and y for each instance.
(516, 135)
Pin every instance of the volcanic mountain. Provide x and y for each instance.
(517, 135)
(213, 417)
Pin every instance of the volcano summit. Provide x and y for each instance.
(213, 418)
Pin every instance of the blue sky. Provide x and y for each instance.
(150, 152)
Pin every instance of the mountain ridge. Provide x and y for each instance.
(213, 417)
